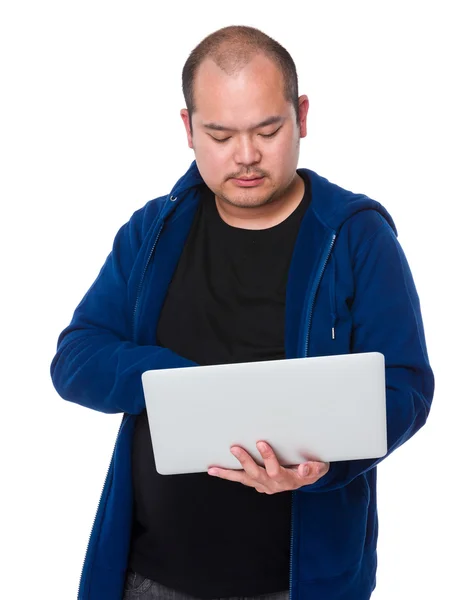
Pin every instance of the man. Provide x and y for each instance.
(247, 258)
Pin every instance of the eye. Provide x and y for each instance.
(220, 141)
(270, 135)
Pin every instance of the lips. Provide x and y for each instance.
(248, 182)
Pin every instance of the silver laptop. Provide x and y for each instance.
(326, 408)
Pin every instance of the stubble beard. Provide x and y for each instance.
(247, 200)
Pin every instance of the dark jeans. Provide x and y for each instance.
(138, 587)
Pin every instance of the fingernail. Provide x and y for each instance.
(235, 452)
(305, 471)
(212, 472)
(262, 447)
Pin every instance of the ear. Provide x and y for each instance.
(185, 116)
(303, 108)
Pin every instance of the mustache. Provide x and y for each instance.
(254, 175)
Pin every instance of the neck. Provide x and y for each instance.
(268, 215)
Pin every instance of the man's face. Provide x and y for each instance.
(244, 128)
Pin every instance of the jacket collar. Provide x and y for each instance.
(332, 204)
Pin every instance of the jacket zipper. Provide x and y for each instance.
(146, 266)
(98, 506)
(306, 350)
(292, 542)
(138, 296)
(316, 286)
(333, 303)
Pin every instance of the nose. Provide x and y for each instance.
(246, 152)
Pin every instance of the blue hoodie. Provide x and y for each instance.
(349, 290)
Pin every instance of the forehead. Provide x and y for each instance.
(250, 93)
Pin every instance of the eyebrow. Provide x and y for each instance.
(268, 121)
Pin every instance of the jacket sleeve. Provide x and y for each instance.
(387, 318)
(97, 364)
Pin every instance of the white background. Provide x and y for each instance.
(90, 130)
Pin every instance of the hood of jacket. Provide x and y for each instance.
(332, 204)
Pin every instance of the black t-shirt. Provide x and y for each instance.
(196, 533)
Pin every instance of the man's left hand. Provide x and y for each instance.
(272, 478)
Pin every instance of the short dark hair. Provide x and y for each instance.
(232, 48)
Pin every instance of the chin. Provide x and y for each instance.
(246, 200)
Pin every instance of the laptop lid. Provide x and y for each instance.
(327, 408)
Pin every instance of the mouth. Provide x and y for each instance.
(248, 181)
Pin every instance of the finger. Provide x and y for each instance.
(251, 468)
(311, 470)
(322, 468)
(304, 470)
(272, 466)
(229, 474)
(317, 469)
